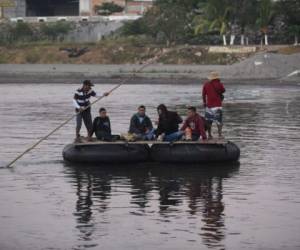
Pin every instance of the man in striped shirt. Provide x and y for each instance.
(81, 102)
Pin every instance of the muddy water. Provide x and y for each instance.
(47, 204)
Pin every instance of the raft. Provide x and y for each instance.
(194, 152)
(151, 151)
(106, 152)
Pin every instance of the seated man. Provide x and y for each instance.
(141, 125)
(102, 128)
(168, 121)
(194, 126)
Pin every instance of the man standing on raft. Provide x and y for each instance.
(81, 102)
(212, 94)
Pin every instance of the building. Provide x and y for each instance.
(45, 8)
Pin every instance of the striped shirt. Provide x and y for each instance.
(82, 98)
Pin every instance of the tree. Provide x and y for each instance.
(215, 17)
(170, 20)
(295, 31)
(290, 12)
(244, 14)
(136, 27)
(20, 32)
(55, 31)
(265, 15)
(108, 8)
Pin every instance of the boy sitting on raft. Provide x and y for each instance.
(102, 128)
(194, 126)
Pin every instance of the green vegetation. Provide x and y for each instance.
(201, 21)
(108, 8)
(55, 31)
(18, 33)
(180, 24)
(290, 11)
(21, 32)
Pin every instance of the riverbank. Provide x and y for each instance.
(261, 66)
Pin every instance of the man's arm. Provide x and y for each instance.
(221, 88)
(149, 126)
(95, 94)
(132, 126)
(184, 126)
(178, 118)
(75, 103)
(158, 130)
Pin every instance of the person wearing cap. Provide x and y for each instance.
(81, 102)
(212, 94)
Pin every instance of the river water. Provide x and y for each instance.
(48, 204)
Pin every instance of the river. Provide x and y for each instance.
(48, 204)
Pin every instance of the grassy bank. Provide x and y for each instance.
(112, 51)
(121, 51)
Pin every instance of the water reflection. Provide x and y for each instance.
(162, 191)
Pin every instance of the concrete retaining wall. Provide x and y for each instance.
(92, 32)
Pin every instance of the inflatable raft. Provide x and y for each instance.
(106, 152)
(151, 151)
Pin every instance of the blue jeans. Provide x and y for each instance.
(147, 136)
(150, 135)
(174, 136)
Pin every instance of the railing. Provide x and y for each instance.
(74, 18)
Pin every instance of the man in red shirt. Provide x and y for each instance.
(212, 94)
(196, 124)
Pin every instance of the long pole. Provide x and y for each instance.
(73, 116)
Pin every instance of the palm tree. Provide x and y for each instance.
(215, 18)
(295, 30)
(244, 16)
(290, 13)
(265, 11)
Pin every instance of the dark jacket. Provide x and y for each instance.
(168, 123)
(102, 128)
(137, 127)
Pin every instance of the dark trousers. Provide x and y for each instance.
(86, 116)
(105, 136)
(195, 137)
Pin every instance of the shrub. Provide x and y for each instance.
(108, 8)
(136, 27)
(33, 57)
(20, 32)
(55, 31)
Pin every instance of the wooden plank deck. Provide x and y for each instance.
(97, 142)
